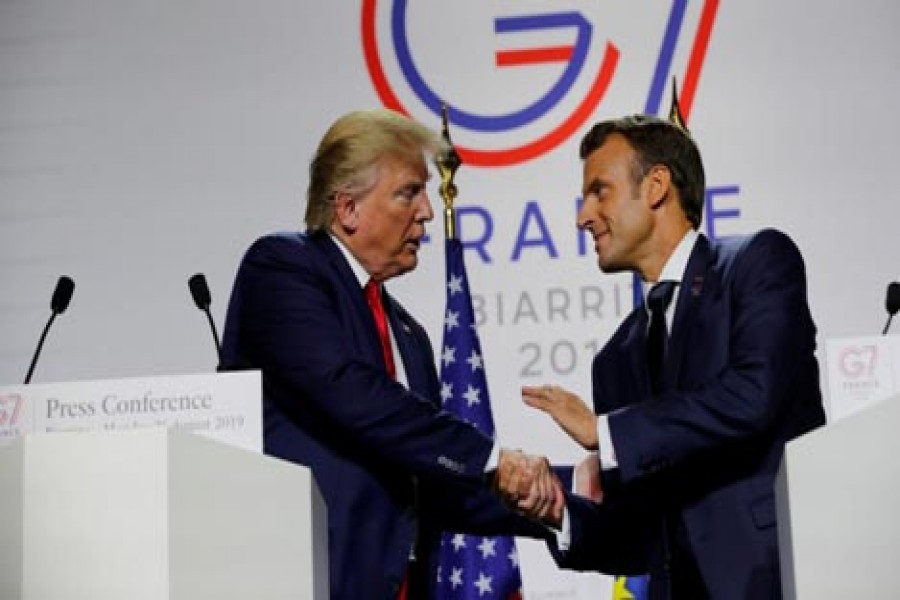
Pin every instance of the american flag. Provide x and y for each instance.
(469, 566)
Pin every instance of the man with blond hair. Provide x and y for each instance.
(349, 381)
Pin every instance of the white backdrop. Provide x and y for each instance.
(142, 141)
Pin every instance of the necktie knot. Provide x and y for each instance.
(373, 296)
(660, 296)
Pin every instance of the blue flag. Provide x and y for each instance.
(469, 566)
(630, 588)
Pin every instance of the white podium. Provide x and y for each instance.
(838, 493)
(156, 514)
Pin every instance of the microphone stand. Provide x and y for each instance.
(40, 345)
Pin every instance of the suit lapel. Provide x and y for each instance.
(636, 349)
(694, 291)
(351, 291)
(406, 345)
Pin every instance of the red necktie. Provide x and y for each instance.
(373, 296)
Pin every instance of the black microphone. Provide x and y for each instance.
(202, 298)
(891, 303)
(59, 302)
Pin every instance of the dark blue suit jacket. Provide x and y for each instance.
(391, 466)
(742, 381)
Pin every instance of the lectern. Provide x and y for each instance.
(838, 493)
(156, 514)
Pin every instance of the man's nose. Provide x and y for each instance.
(425, 211)
(583, 217)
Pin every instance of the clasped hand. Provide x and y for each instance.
(528, 485)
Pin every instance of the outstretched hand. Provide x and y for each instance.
(567, 409)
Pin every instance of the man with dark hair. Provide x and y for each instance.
(349, 381)
(696, 393)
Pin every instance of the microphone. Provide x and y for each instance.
(202, 298)
(891, 303)
(59, 302)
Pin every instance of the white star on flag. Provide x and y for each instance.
(513, 557)
(459, 541)
(449, 356)
(472, 396)
(454, 285)
(483, 584)
(456, 578)
(475, 361)
(452, 320)
(446, 391)
(487, 547)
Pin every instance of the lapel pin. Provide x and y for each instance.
(697, 286)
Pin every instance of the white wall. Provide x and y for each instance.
(144, 140)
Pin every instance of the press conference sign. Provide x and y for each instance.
(861, 372)
(226, 407)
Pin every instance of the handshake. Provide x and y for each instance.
(527, 484)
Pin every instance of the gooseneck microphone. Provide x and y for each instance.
(59, 302)
(891, 303)
(202, 298)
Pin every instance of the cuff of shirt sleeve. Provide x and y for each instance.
(493, 460)
(564, 534)
(607, 452)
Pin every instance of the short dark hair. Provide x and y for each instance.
(657, 142)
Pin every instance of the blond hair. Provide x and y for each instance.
(349, 153)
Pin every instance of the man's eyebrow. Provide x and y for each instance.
(593, 187)
(411, 187)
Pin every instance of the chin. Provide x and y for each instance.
(404, 267)
(610, 266)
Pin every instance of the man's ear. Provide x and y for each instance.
(346, 211)
(658, 182)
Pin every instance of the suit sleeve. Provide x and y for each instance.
(478, 512)
(769, 332)
(290, 322)
(611, 537)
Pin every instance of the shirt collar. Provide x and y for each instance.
(362, 276)
(675, 267)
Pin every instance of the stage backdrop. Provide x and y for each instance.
(142, 141)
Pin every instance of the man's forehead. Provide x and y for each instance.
(614, 151)
(615, 146)
(404, 166)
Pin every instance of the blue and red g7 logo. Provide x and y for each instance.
(551, 115)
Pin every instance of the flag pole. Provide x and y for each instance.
(447, 162)
(468, 565)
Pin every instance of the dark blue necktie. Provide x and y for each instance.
(657, 336)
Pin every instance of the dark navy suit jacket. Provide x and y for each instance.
(742, 380)
(393, 468)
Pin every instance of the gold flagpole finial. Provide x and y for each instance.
(675, 115)
(447, 162)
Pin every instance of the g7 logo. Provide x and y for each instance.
(10, 407)
(573, 55)
(859, 361)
